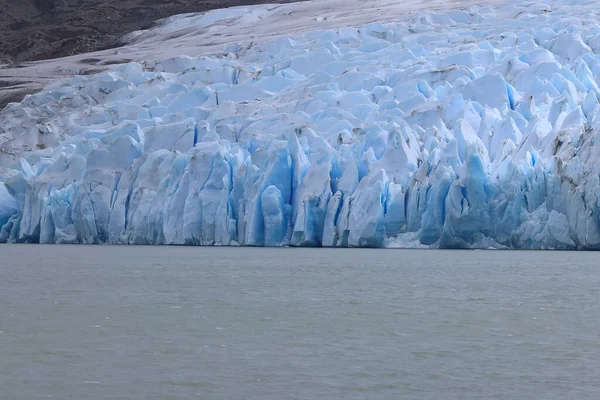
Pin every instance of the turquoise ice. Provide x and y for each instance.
(472, 129)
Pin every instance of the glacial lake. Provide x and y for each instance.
(102, 322)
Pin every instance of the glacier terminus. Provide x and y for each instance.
(474, 128)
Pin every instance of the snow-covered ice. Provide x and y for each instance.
(463, 128)
(198, 33)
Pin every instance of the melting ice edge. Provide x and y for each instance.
(472, 129)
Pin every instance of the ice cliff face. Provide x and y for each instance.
(469, 128)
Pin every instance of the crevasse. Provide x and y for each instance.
(473, 129)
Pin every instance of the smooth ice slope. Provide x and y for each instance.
(472, 128)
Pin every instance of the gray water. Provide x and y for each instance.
(81, 322)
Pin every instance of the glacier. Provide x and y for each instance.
(473, 128)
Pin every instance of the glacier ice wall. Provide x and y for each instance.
(473, 128)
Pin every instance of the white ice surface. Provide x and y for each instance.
(474, 129)
(195, 34)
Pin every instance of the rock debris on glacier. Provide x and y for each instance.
(473, 129)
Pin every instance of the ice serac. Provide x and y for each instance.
(459, 129)
(8, 205)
